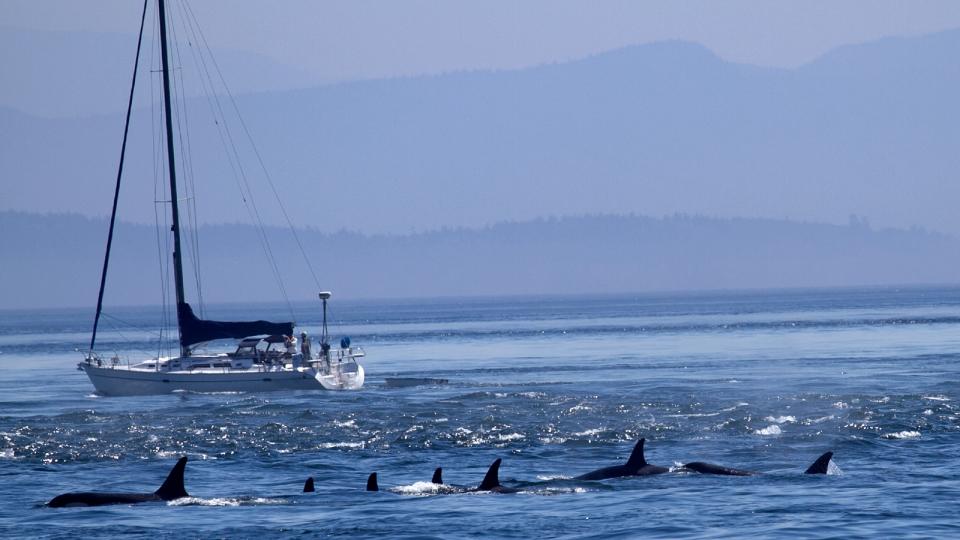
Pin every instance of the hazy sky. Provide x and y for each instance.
(342, 40)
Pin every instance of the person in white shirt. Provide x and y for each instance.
(290, 342)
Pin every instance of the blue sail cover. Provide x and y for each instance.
(194, 330)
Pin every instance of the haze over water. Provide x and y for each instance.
(556, 386)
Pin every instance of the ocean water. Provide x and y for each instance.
(554, 386)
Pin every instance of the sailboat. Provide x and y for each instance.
(266, 357)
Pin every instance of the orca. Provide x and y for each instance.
(308, 485)
(636, 465)
(373, 485)
(171, 489)
(820, 466)
(491, 481)
(710, 468)
(442, 488)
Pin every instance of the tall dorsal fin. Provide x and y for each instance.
(172, 487)
(437, 476)
(308, 485)
(821, 465)
(492, 479)
(637, 459)
(372, 482)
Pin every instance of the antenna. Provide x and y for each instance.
(324, 296)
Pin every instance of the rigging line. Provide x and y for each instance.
(209, 91)
(158, 193)
(180, 115)
(172, 171)
(186, 160)
(163, 285)
(333, 319)
(253, 145)
(165, 232)
(128, 349)
(236, 162)
(116, 192)
(128, 324)
(260, 159)
(192, 214)
(163, 248)
(232, 161)
(125, 339)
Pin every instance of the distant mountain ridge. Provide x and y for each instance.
(653, 129)
(54, 260)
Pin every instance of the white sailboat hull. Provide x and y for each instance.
(123, 380)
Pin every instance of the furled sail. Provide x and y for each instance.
(194, 330)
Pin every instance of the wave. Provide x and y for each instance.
(771, 430)
(902, 435)
(227, 501)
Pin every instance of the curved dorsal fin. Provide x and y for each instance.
(492, 479)
(308, 485)
(372, 482)
(637, 459)
(821, 465)
(172, 487)
(437, 476)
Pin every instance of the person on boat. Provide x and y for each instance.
(325, 355)
(290, 342)
(305, 345)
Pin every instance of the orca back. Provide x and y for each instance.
(614, 471)
(710, 468)
(68, 500)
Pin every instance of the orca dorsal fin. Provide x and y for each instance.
(372, 482)
(492, 479)
(437, 476)
(637, 459)
(172, 487)
(308, 485)
(821, 465)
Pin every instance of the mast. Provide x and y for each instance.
(171, 165)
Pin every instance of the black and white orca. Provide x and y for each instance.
(820, 466)
(636, 465)
(491, 481)
(171, 489)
